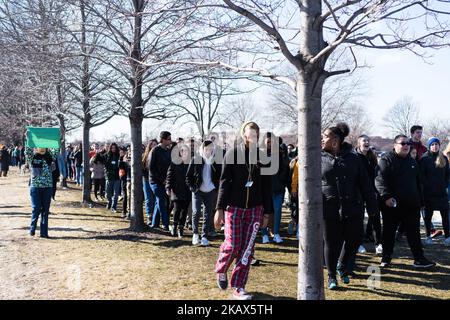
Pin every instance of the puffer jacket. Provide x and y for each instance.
(176, 182)
(435, 182)
(399, 178)
(346, 185)
(97, 168)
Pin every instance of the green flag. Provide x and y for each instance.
(43, 137)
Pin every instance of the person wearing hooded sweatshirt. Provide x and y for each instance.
(399, 184)
(345, 188)
(41, 162)
(435, 176)
(244, 204)
(177, 189)
(203, 178)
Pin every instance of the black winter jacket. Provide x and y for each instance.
(232, 190)
(160, 160)
(280, 180)
(399, 178)
(176, 182)
(194, 175)
(112, 166)
(346, 185)
(435, 182)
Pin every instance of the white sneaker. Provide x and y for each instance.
(195, 239)
(241, 294)
(277, 239)
(266, 239)
(204, 242)
(428, 241)
(447, 242)
(379, 249)
(361, 249)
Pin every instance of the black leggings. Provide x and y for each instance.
(99, 185)
(374, 228)
(342, 236)
(445, 221)
(180, 212)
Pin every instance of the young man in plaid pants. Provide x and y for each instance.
(244, 205)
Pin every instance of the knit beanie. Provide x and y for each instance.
(432, 140)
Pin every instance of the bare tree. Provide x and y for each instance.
(142, 36)
(402, 116)
(439, 128)
(307, 33)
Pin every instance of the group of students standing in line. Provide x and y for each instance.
(244, 199)
(13, 156)
(398, 185)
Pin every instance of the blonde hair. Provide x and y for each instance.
(447, 151)
(440, 160)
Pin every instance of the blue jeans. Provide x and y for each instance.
(79, 174)
(277, 206)
(62, 166)
(112, 193)
(40, 205)
(149, 199)
(160, 210)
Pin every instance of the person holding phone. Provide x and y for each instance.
(399, 184)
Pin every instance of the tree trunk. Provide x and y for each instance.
(309, 94)
(310, 266)
(86, 172)
(136, 197)
(62, 150)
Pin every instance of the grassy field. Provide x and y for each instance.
(92, 255)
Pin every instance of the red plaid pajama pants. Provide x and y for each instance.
(241, 228)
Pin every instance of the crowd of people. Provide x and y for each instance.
(184, 186)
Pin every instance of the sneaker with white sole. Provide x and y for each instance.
(361, 249)
(241, 294)
(277, 238)
(379, 249)
(428, 241)
(204, 242)
(265, 239)
(423, 263)
(195, 239)
(447, 242)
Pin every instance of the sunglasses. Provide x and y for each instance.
(404, 143)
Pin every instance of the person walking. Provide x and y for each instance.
(399, 184)
(345, 187)
(112, 177)
(178, 190)
(244, 204)
(203, 178)
(41, 161)
(370, 161)
(149, 197)
(160, 159)
(279, 183)
(97, 168)
(5, 161)
(434, 167)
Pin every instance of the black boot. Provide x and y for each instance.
(180, 233)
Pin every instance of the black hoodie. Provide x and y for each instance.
(346, 185)
(399, 178)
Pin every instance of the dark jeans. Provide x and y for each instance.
(445, 221)
(160, 210)
(99, 185)
(180, 213)
(373, 228)
(342, 238)
(410, 217)
(199, 198)
(112, 193)
(40, 205)
(123, 185)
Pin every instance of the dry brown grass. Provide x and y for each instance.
(113, 263)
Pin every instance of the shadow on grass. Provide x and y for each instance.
(11, 207)
(265, 296)
(387, 293)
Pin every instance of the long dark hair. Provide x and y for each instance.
(110, 149)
